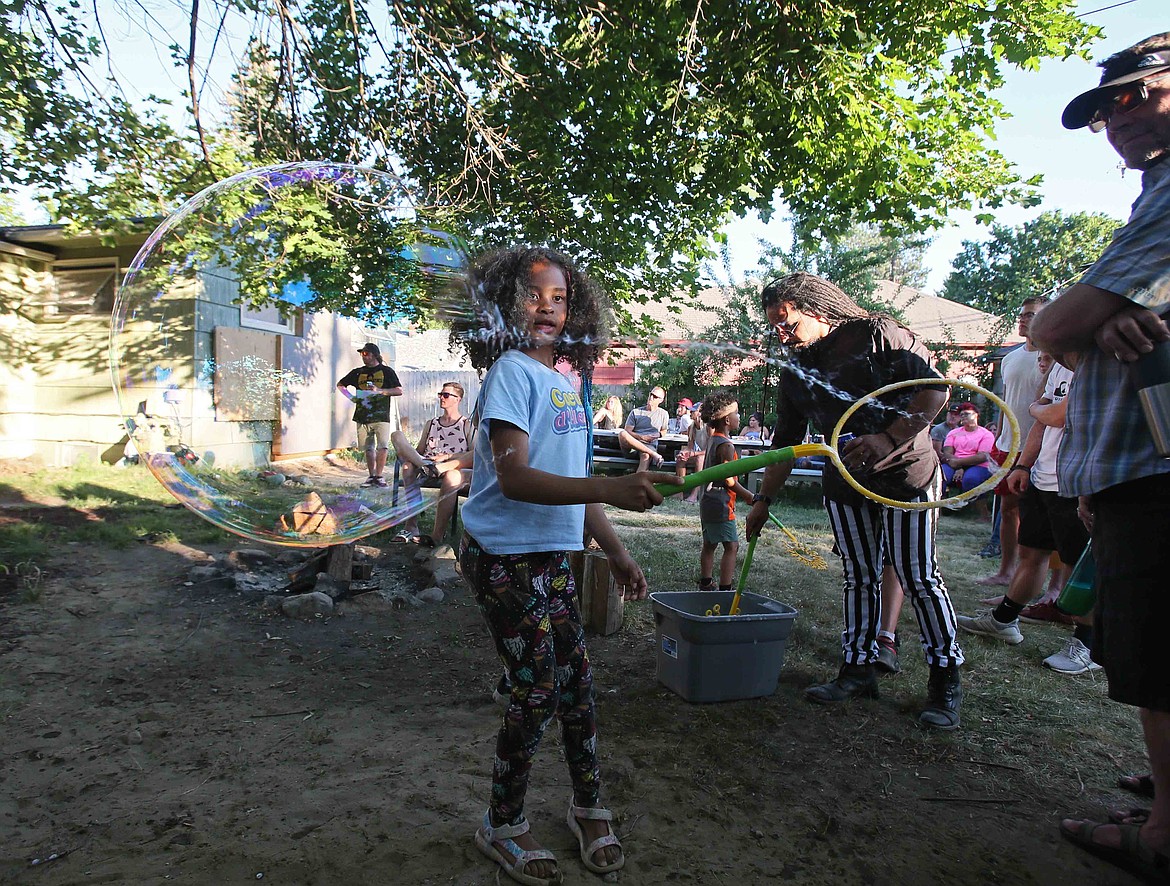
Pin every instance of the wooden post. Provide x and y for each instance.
(601, 604)
(340, 564)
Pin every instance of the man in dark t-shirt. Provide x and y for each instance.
(838, 353)
(373, 384)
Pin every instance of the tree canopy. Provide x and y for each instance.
(855, 260)
(623, 132)
(1035, 258)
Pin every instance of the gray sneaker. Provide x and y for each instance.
(887, 657)
(1072, 660)
(984, 623)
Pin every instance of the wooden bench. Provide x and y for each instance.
(621, 464)
(800, 475)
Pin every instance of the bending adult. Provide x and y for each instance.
(443, 438)
(840, 352)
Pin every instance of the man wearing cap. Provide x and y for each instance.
(681, 423)
(373, 384)
(938, 434)
(1108, 454)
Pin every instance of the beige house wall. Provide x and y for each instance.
(57, 400)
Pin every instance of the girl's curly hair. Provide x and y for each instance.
(492, 321)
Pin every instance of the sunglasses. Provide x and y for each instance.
(1128, 97)
(443, 395)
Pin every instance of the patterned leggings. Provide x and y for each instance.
(529, 602)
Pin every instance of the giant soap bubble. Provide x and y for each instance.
(236, 320)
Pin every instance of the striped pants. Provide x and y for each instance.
(866, 537)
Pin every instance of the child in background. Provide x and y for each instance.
(531, 500)
(717, 506)
(694, 453)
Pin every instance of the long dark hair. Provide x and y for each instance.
(811, 294)
(492, 321)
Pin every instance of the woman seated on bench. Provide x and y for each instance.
(434, 458)
(609, 416)
(967, 452)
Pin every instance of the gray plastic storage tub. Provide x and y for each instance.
(720, 657)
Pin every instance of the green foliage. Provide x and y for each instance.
(1036, 258)
(738, 345)
(308, 236)
(623, 133)
(10, 213)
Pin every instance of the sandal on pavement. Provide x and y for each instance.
(595, 813)
(1142, 785)
(1138, 815)
(521, 858)
(1132, 855)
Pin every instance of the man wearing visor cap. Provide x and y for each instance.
(1109, 457)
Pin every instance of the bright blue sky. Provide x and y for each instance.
(1080, 169)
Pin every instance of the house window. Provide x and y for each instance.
(82, 288)
(273, 318)
(282, 317)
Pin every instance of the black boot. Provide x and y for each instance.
(944, 696)
(854, 681)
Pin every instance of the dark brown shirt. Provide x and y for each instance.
(824, 379)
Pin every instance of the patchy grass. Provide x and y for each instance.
(90, 504)
(758, 790)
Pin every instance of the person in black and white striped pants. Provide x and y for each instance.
(838, 352)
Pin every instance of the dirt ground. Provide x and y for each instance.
(158, 732)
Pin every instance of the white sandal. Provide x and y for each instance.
(596, 813)
(487, 835)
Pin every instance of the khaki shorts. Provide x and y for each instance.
(376, 435)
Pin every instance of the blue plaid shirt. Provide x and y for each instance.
(1106, 440)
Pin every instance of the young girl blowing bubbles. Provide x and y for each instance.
(531, 501)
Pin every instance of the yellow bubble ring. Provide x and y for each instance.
(986, 486)
(789, 453)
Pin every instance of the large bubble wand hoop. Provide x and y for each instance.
(789, 453)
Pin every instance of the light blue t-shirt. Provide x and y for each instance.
(543, 403)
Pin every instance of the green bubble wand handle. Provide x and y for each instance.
(739, 466)
(743, 574)
(755, 462)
